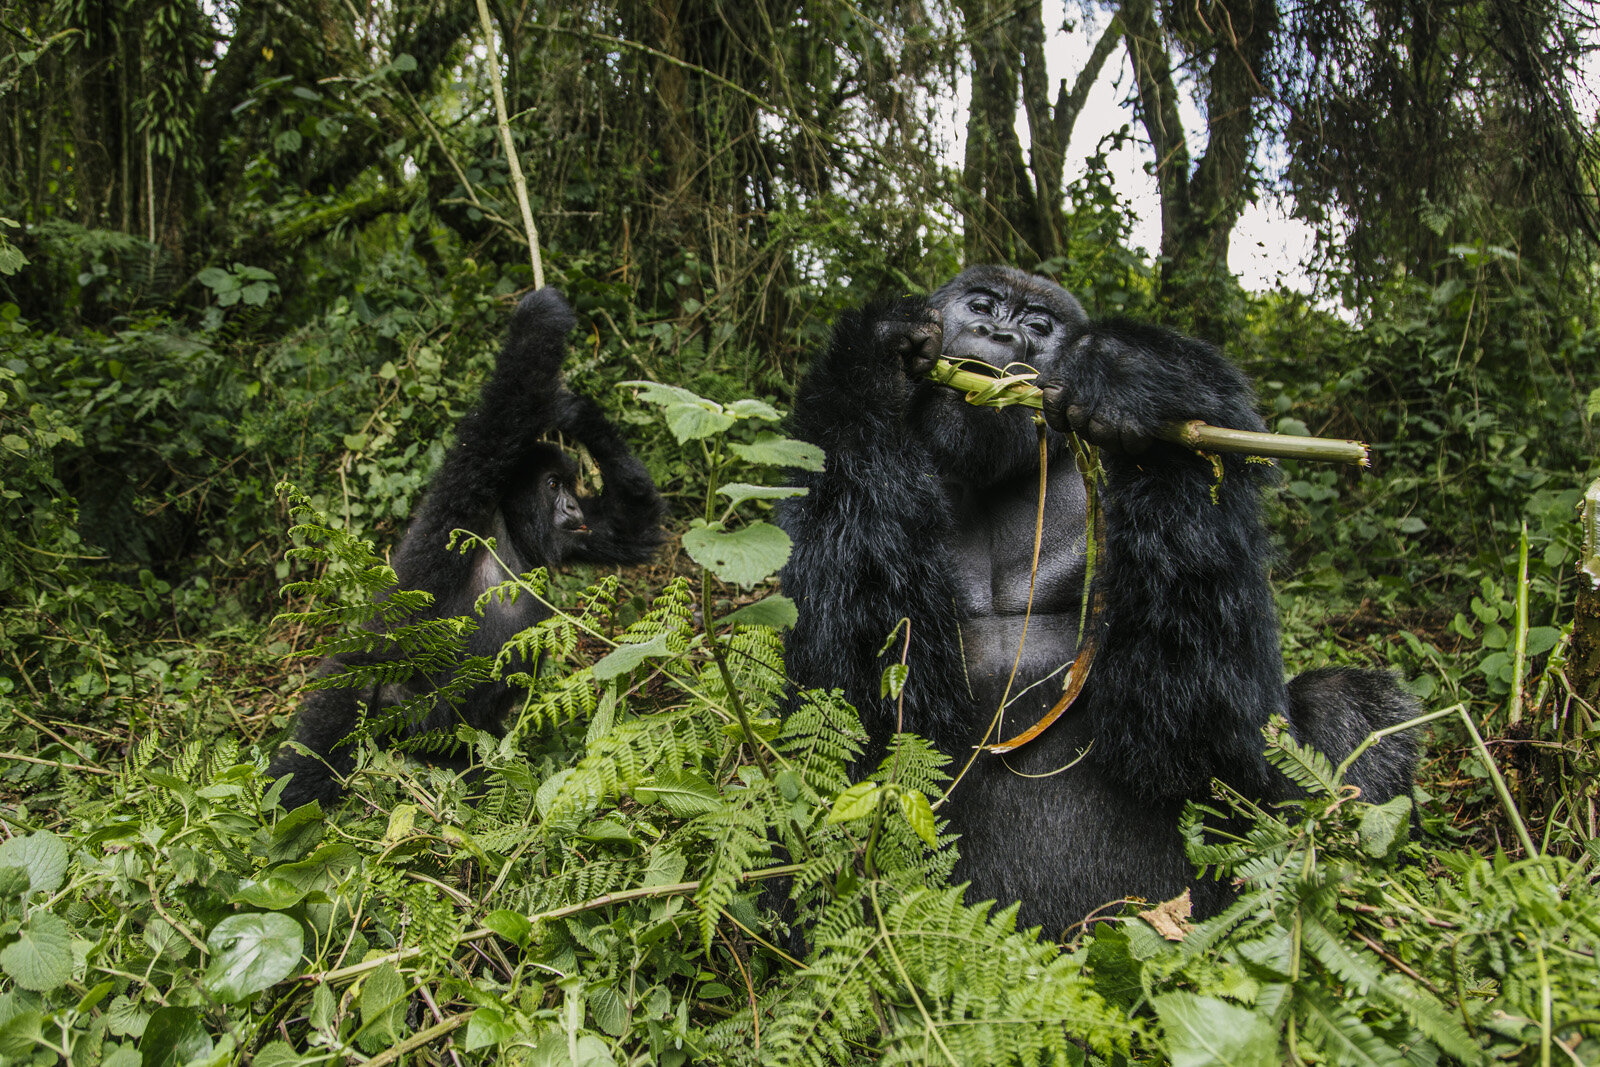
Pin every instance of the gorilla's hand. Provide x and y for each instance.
(914, 336)
(1120, 382)
(1100, 394)
(581, 418)
(535, 344)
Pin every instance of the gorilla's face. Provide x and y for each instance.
(1003, 317)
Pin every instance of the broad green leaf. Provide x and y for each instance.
(683, 793)
(893, 680)
(744, 556)
(272, 892)
(173, 1037)
(776, 611)
(856, 802)
(488, 1026)
(250, 952)
(128, 1056)
(919, 813)
(383, 1003)
(511, 925)
(1542, 639)
(624, 658)
(663, 395)
(14, 882)
(402, 820)
(739, 492)
(608, 1009)
(1211, 1032)
(1381, 824)
(216, 278)
(279, 1054)
(40, 958)
(125, 1018)
(18, 1036)
(296, 833)
(692, 422)
(754, 409)
(324, 869)
(775, 450)
(42, 854)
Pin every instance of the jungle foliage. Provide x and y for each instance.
(255, 260)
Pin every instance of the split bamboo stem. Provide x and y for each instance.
(989, 391)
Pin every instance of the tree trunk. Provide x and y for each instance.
(1014, 210)
(1199, 210)
(999, 208)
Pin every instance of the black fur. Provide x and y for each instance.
(926, 511)
(501, 480)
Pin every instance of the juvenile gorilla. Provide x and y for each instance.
(926, 510)
(501, 480)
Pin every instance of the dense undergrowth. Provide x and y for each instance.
(652, 867)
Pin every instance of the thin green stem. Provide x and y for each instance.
(1518, 663)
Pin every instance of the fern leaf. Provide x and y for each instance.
(1341, 1035)
(1301, 764)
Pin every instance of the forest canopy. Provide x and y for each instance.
(255, 260)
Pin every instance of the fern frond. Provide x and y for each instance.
(821, 738)
(1340, 1033)
(913, 761)
(739, 844)
(1303, 765)
(978, 991)
(584, 880)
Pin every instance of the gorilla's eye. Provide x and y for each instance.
(1042, 327)
(552, 483)
(981, 305)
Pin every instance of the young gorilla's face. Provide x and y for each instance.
(553, 522)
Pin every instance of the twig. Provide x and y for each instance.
(604, 900)
(57, 763)
(418, 1039)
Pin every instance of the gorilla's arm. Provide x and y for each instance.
(520, 402)
(624, 520)
(871, 534)
(1189, 666)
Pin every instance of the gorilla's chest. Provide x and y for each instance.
(993, 558)
(994, 546)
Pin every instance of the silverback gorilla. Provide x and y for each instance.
(926, 510)
(501, 480)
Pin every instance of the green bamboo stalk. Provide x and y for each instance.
(985, 390)
(503, 123)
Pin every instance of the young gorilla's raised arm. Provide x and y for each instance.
(499, 480)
